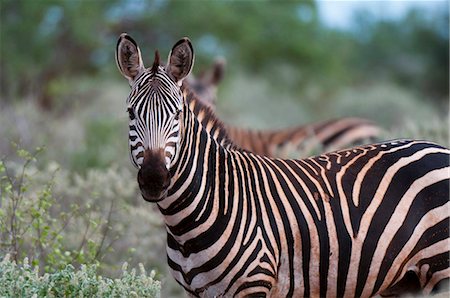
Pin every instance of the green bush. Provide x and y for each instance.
(55, 217)
(25, 281)
(33, 221)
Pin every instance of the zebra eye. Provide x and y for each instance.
(131, 113)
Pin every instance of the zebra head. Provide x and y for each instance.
(154, 106)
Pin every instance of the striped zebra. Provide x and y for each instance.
(359, 222)
(323, 136)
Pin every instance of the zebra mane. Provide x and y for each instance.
(206, 116)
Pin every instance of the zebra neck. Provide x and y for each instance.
(197, 191)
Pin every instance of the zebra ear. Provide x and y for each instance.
(181, 60)
(128, 57)
(218, 71)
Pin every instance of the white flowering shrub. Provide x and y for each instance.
(55, 217)
(25, 281)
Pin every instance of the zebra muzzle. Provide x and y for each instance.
(153, 176)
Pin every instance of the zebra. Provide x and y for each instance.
(323, 136)
(364, 221)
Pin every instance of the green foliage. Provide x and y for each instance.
(56, 217)
(412, 52)
(32, 221)
(43, 41)
(25, 281)
(94, 154)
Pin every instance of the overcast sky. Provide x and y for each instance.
(338, 13)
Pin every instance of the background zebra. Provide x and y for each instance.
(358, 222)
(205, 85)
(316, 137)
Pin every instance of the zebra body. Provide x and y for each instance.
(358, 222)
(322, 136)
(312, 227)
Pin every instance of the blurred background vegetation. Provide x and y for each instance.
(288, 63)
